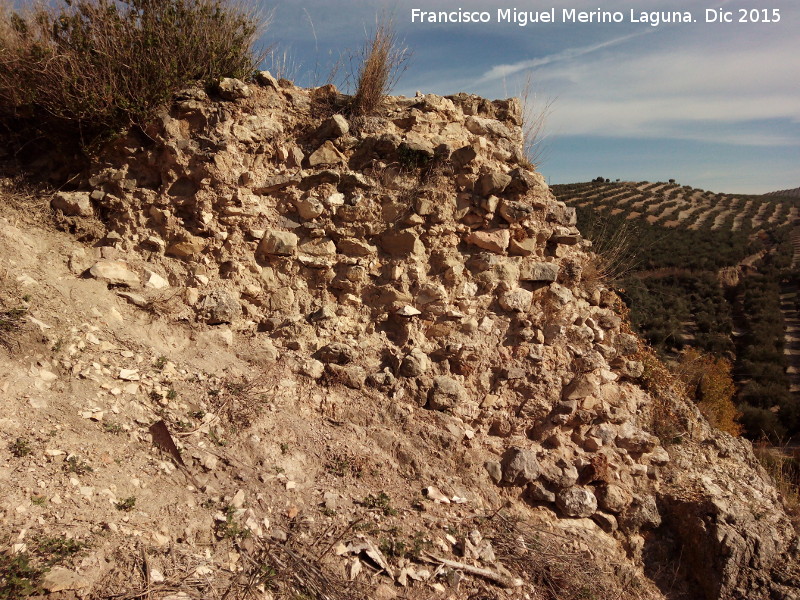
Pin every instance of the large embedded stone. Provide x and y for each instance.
(326, 154)
(635, 440)
(309, 208)
(446, 393)
(520, 466)
(518, 300)
(416, 363)
(318, 247)
(335, 127)
(523, 180)
(576, 501)
(493, 183)
(355, 247)
(463, 156)
(220, 307)
(114, 272)
(524, 247)
(581, 386)
(73, 204)
(233, 89)
(192, 246)
(402, 243)
(495, 241)
(277, 243)
(613, 498)
(514, 211)
(337, 353)
(538, 271)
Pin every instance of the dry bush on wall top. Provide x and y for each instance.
(382, 60)
(91, 67)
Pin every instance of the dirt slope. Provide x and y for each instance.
(275, 354)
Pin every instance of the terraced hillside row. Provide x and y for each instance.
(793, 193)
(716, 272)
(673, 205)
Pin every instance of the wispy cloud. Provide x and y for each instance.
(687, 93)
(503, 71)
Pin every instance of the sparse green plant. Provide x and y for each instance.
(160, 363)
(230, 529)
(267, 576)
(381, 61)
(419, 543)
(343, 465)
(172, 394)
(39, 500)
(338, 466)
(382, 502)
(20, 448)
(74, 464)
(127, 504)
(21, 573)
(391, 546)
(182, 425)
(216, 438)
(111, 427)
(412, 159)
(18, 577)
(55, 549)
(284, 448)
(366, 527)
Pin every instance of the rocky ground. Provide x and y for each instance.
(262, 350)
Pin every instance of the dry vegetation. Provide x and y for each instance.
(615, 254)
(60, 66)
(708, 379)
(535, 112)
(559, 572)
(380, 63)
(783, 465)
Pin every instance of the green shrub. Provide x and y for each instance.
(18, 578)
(84, 69)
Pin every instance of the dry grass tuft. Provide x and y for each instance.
(614, 250)
(783, 465)
(670, 421)
(13, 310)
(535, 113)
(543, 557)
(382, 60)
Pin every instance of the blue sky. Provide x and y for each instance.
(715, 106)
